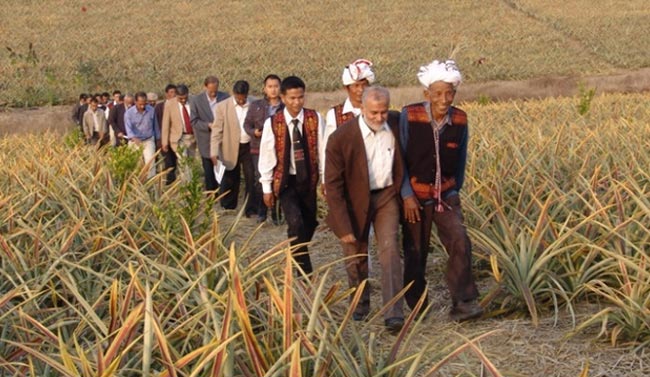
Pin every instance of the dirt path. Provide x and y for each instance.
(57, 118)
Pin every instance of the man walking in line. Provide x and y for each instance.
(253, 125)
(230, 144)
(202, 108)
(289, 166)
(142, 130)
(434, 140)
(177, 131)
(363, 176)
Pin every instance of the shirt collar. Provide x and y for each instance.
(348, 108)
(366, 130)
(289, 118)
(238, 105)
(446, 121)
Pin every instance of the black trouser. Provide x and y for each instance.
(258, 195)
(231, 180)
(211, 183)
(171, 162)
(299, 207)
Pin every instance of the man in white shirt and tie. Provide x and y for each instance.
(230, 144)
(289, 166)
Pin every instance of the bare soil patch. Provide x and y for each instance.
(58, 118)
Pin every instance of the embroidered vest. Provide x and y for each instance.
(340, 116)
(283, 148)
(420, 150)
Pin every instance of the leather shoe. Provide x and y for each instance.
(465, 310)
(394, 325)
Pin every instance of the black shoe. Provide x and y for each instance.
(465, 310)
(359, 316)
(261, 219)
(394, 325)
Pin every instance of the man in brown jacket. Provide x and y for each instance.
(363, 173)
(177, 130)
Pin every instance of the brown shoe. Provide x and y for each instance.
(465, 310)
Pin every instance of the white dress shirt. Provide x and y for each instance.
(241, 116)
(268, 159)
(330, 126)
(380, 149)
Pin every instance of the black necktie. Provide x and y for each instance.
(299, 155)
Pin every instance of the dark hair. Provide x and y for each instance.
(83, 96)
(272, 76)
(182, 89)
(291, 82)
(211, 80)
(106, 94)
(241, 87)
(170, 87)
(140, 95)
(117, 92)
(121, 97)
(94, 100)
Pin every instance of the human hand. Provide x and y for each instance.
(348, 238)
(269, 199)
(412, 209)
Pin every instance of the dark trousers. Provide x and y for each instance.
(211, 183)
(231, 180)
(453, 236)
(258, 195)
(171, 162)
(299, 207)
(384, 215)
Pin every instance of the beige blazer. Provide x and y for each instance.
(225, 134)
(172, 124)
(88, 122)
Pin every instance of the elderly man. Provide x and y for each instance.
(202, 108)
(289, 166)
(363, 176)
(142, 130)
(177, 131)
(434, 140)
(230, 144)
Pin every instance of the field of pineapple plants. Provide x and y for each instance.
(105, 273)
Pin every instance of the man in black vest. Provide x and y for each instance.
(434, 139)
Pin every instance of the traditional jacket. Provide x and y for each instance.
(283, 149)
(420, 149)
(340, 116)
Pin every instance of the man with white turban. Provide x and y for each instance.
(356, 77)
(433, 136)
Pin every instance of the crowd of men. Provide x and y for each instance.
(376, 168)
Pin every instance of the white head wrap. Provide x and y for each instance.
(358, 70)
(440, 71)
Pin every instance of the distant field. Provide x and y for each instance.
(93, 45)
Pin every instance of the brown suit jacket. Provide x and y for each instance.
(172, 124)
(225, 134)
(346, 177)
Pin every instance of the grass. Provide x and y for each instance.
(102, 275)
(53, 50)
